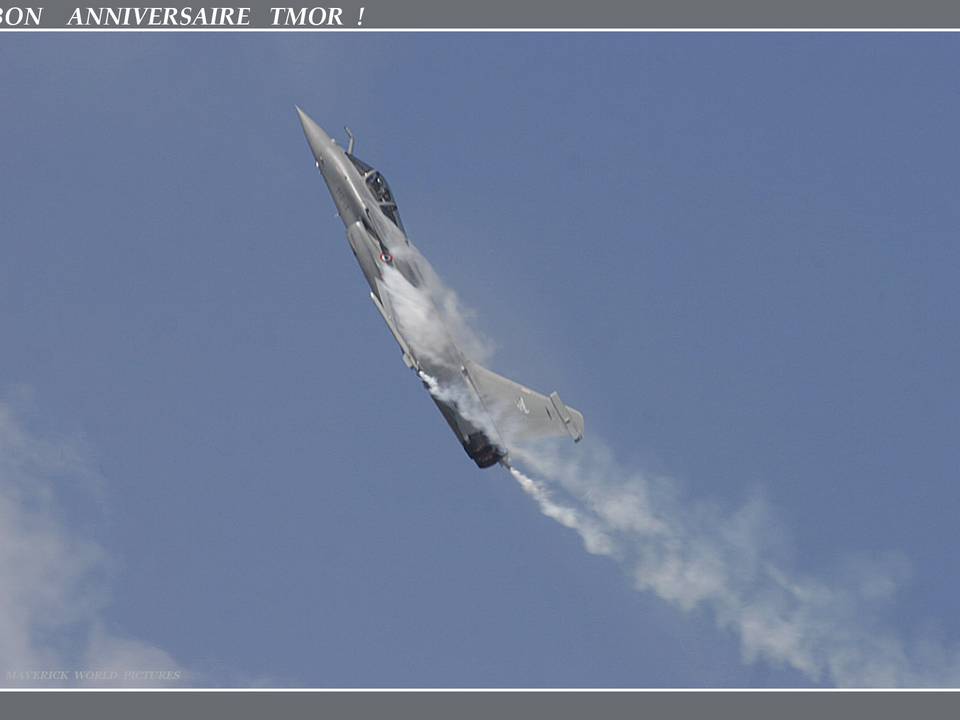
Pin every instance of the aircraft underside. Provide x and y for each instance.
(475, 442)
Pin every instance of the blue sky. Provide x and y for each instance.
(736, 254)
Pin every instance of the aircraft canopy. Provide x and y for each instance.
(380, 189)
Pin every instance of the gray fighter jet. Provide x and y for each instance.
(485, 411)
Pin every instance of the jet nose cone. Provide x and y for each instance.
(319, 141)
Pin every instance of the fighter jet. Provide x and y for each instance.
(484, 409)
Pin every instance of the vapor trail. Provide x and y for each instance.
(730, 563)
(695, 553)
(595, 540)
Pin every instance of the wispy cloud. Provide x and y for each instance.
(53, 579)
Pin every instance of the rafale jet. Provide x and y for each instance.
(481, 407)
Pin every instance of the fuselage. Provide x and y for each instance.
(391, 266)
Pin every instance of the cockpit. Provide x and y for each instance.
(377, 184)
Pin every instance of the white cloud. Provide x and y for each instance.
(53, 579)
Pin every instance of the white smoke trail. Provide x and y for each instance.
(595, 540)
(695, 554)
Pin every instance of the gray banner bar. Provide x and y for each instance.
(490, 14)
(466, 705)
